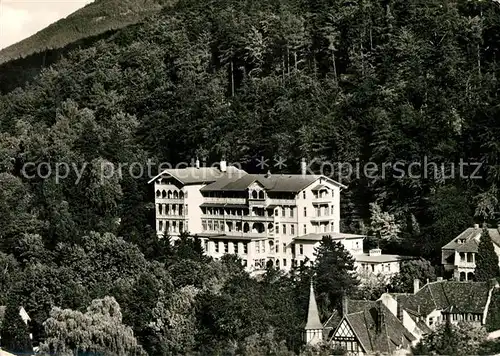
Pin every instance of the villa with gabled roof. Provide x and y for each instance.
(459, 255)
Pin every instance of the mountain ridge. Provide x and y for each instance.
(93, 19)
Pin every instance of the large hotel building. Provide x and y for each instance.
(270, 217)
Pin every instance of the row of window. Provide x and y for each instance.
(285, 211)
(371, 266)
(241, 249)
(172, 226)
(260, 247)
(169, 194)
(172, 209)
(319, 211)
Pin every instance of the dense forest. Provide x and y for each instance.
(330, 81)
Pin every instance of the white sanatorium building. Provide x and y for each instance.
(278, 218)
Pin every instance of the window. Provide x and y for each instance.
(204, 225)
(318, 212)
(304, 194)
(332, 227)
(284, 229)
(331, 210)
(160, 226)
(185, 209)
(216, 225)
(284, 262)
(305, 229)
(301, 249)
(284, 247)
(226, 247)
(431, 321)
(263, 246)
(277, 247)
(283, 212)
(291, 212)
(245, 248)
(333, 193)
(292, 230)
(217, 246)
(210, 227)
(276, 212)
(373, 267)
(357, 245)
(305, 211)
(324, 228)
(277, 229)
(257, 247)
(388, 267)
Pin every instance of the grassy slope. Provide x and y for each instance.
(94, 19)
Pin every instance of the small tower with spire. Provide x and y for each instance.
(313, 332)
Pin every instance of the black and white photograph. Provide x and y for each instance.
(249, 177)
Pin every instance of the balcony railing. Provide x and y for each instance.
(281, 202)
(211, 200)
(464, 264)
(322, 218)
(169, 201)
(321, 200)
(172, 217)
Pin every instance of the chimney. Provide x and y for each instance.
(223, 166)
(416, 286)
(476, 226)
(440, 279)
(399, 313)
(197, 163)
(380, 317)
(268, 174)
(303, 167)
(345, 304)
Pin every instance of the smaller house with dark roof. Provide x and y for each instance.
(459, 255)
(439, 301)
(363, 328)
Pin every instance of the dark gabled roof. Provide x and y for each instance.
(319, 187)
(467, 297)
(471, 234)
(363, 317)
(470, 246)
(292, 183)
(202, 175)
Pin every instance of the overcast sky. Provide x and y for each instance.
(22, 18)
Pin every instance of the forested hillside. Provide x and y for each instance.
(336, 81)
(95, 18)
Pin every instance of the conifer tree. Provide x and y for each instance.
(487, 259)
(15, 333)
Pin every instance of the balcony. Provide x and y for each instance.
(172, 217)
(322, 218)
(287, 202)
(237, 201)
(464, 264)
(323, 200)
(169, 201)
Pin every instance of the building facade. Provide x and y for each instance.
(459, 255)
(376, 263)
(261, 217)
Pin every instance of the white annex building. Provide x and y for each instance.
(279, 218)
